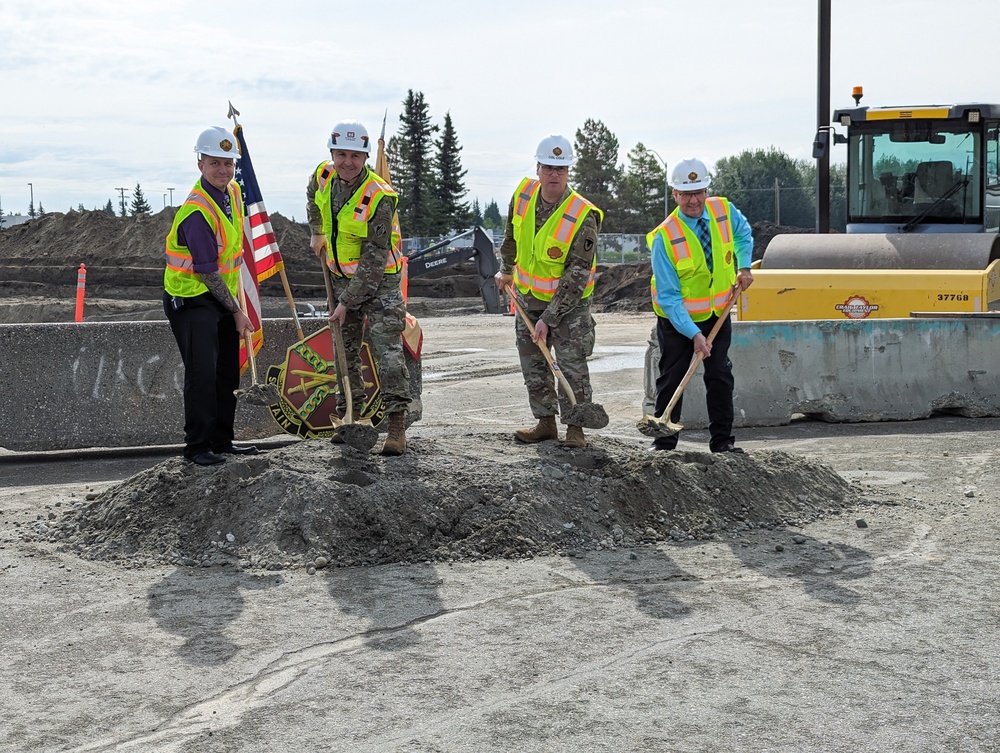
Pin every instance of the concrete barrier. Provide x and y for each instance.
(844, 371)
(119, 384)
(108, 384)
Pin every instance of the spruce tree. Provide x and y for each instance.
(596, 173)
(451, 212)
(640, 192)
(415, 179)
(477, 214)
(492, 219)
(109, 208)
(139, 203)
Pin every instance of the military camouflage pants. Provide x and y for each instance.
(386, 315)
(573, 341)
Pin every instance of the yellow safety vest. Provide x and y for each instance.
(344, 251)
(704, 292)
(179, 278)
(541, 256)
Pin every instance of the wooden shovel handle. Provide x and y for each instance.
(337, 338)
(545, 350)
(698, 357)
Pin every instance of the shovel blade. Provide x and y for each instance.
(651, 426)
(260, 394)
(587, 416)
(358, 436)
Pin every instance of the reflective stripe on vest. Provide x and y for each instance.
(718, 210)
(524, 196)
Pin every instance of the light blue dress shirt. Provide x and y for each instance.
(668, 284)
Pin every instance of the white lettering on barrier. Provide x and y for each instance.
(106, 377)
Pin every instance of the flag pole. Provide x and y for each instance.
(233, 112)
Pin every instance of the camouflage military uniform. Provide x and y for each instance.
(370, 293)
(571, 325)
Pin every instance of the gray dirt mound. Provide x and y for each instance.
(290, 506)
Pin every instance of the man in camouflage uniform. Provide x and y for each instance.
(549, 255)
(352, 215)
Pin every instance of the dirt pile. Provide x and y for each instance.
(311, 504)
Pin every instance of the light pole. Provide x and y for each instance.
(171, 196)
(31, 206)
(164, 201)
(666, 183)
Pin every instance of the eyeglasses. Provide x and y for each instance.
(681, 195)
(557, 169)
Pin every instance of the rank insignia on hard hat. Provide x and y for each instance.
(226, 145)
(554, 253)
(692, 176)
(350, 134)
(557, 151)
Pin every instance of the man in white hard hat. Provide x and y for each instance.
(549, 254)
(352, 214)
(201, 299)
(699, 251)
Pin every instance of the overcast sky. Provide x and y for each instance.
(99, 95)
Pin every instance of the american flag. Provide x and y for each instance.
(261, 257)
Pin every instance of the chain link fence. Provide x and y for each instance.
(612, 248)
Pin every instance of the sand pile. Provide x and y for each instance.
(315, 504)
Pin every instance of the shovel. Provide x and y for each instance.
(359, 436)
(256, 394)
(586, 415)
(652, 426)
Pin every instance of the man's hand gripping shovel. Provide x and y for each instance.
(361, 436)
(585, 415)
(652, 426)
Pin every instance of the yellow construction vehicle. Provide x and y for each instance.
(923, 215)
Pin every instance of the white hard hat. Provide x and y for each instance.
(690, 175)
(217, 142)
(351, 136)
(554, 150)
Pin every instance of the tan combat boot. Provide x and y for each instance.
(574, 437)
(546, 429)
(395, 442)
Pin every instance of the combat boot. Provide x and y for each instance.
(546, 429)
(395, 442)
(574, 437)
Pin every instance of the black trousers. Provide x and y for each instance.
(210, 350)
(676, 352)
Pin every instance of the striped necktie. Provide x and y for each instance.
(705, 237)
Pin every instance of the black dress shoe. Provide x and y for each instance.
(663, 444)
(207, 458)
(237, 449)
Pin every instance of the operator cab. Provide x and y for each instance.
(933, 169)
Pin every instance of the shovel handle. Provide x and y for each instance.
(545, 350)
(337, 338)
(698, 357)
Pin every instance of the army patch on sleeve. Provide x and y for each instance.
(380, 230)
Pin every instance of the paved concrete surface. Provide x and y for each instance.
(833, 637)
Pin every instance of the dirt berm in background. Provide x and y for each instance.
(40, 259)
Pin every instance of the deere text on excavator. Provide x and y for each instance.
(923, 215)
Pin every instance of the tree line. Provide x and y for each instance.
(425, 164)
(766, 184)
